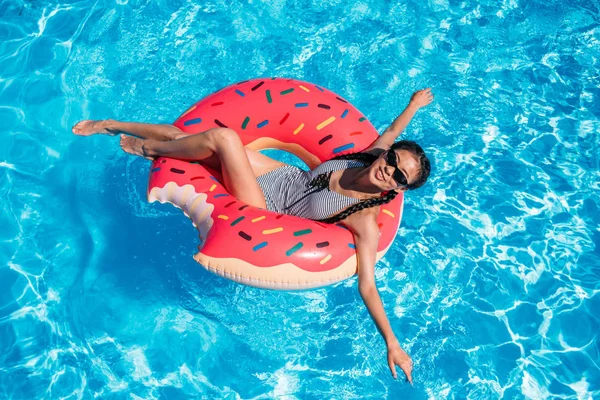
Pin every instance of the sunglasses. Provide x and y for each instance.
(390, 159)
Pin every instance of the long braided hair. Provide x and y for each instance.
(322, 180)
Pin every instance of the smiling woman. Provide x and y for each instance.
(349, 189)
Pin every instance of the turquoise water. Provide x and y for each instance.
(491, 286)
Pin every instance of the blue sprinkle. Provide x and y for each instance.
(344, 113)
(320, 88)
(240, 93)
(155, 169)
(213, 178)
(262, 123)
(259, 246)
(301, 105)
(221, 195)
(351, 245)
(342, 148)
(192, 121)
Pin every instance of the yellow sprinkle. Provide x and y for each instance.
(325, 123)
(274, 230)
(323, 261)
(298, 129)
(192, 108)
(225, 217)
(303, 88)
(388, 212)
(213, 187)
(259, 219)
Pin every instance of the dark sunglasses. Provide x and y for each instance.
(390, 159)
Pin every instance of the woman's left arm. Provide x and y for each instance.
(366, 238)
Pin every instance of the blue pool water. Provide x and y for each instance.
(492, 285)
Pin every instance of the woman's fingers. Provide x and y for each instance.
(392, 368)
(407, 368)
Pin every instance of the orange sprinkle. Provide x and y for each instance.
(259, 219)
(225, 217)
(274, 230)
(388, 212)
(325, 123)
(298, 129)
(303, 88)
(213, 187)
(323, 261)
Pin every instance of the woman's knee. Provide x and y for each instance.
(223, 137)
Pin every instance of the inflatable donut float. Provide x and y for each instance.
(254, 246)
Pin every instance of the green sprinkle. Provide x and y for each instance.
(269, 96)
(245, 123)
(294, 249)
(361, 119)
(303, 232)
(237, 221)
(287, 91)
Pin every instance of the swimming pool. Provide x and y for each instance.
(491, 285)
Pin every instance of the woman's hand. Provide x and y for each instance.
(421, 98)
(397, 356)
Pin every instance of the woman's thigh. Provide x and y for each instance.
(260, 163)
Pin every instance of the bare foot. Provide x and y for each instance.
(88, 127)
(133, 145)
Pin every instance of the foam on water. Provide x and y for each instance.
(492, 283)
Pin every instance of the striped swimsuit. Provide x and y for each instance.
(287, 191)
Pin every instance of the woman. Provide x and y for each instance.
(356, 185)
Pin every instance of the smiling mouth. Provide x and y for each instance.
(379, 175)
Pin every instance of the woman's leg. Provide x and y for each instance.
(145, 131)
(224, 143)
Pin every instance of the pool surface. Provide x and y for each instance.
(492, 285)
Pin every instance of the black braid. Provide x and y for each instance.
(360, 206)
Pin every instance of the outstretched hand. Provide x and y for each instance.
(421, 98)
(397, 356)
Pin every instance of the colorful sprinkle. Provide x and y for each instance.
(299, 105)
(303, 232)
(298, 129)
(388, 212)
(237, 221)
(351, 245)
(245, 235)
(228, 204)
(344, 114)
(342, 148)
(279, 216)
(222, 125)
(163, 161)
(245, 123)
(284, 118)
(304, 88)
(221, 195)
(294, 249)
(242, 207)
(326, 138)
(269, 99)
(356, 133)
(218, 103)
(265, 122)
(340, 99)
(192, 121)
(325, 123)
(361, 119)
(225, 217)
(259, 246)
(323, 261)
(325, 106)
(322, 244)
(270, 231)
(213, 178)
(240, 93)
(287, 91)
(155, 169)
(257, 86)
(320, 88)
(259, 219)
(213, 187)
(196, 177)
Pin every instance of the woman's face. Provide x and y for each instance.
(383, 175)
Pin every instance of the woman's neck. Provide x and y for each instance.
(357, 179)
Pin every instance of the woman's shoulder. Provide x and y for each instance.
(364, 219)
